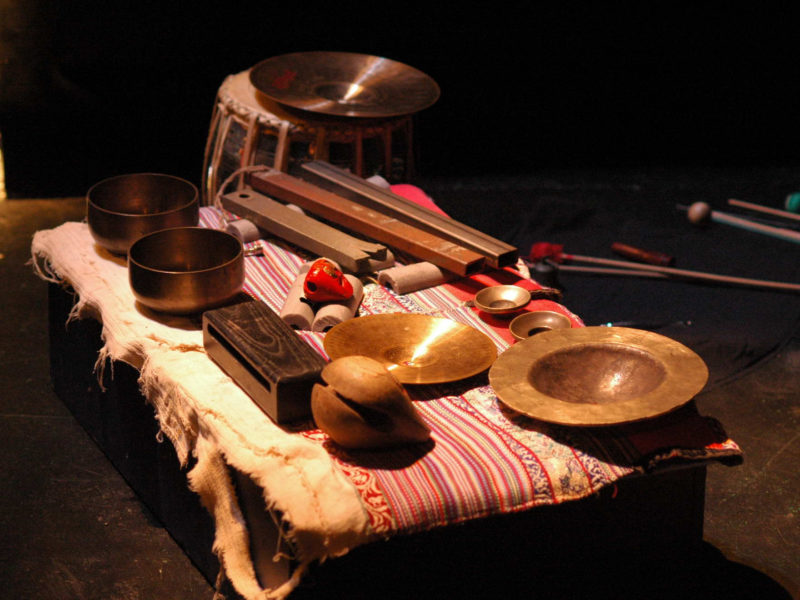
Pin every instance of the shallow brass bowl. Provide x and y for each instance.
(500, 299)
(537, 321)
(597, 375)
(344, 84)
(415, 348)
(186, 269)
(122, 209)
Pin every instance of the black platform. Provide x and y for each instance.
(635, 522)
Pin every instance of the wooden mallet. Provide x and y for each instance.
(700, 213)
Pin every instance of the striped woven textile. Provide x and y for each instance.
(483, 459)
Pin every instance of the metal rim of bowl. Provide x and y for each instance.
(135, 246)
(685, 374)
(92, 190)
(557, 316)
(525, 298)
(161, 288)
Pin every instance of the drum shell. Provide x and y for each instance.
(248, 129)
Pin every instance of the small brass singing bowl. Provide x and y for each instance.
(186, 270)
(124, 208)
(537, 321)
(502, 299)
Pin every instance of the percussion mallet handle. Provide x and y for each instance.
(610, 271)
(795, 287)
(544, 251)
(699, 212)
(640, 255)
(765, 209)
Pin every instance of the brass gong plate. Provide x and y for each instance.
(344, 84)
(415, 348)
(597, 375)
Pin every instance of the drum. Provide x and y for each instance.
(249, 129)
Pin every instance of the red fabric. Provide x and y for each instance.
(415, 194)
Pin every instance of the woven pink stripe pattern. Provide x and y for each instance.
(483, 459)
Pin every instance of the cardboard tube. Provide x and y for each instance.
(296, 312)
(410, 278)
(245, 230)
(378, 265)
(333, 313)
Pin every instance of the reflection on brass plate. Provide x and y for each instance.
(415, 348)
(597, 375)
(344, 84)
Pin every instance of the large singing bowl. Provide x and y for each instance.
(186, 270)
(124, 208)
(597, 375)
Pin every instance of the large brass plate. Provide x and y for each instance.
(597, 375)
(415, 348)
(344, 84)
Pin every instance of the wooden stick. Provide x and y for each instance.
(640, 255)
(764, 209)
(351, 253)
(794, 287)
(609, 271)
(776, 232)
(368, 222)
(338, 181)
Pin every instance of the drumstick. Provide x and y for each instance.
(640, 255)
(700, 213)
(764, 209)
(609, 271)
(544, 250)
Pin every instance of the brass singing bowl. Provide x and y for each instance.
(537, 321)
(124, 208)
(597, 375)
(186, 270)
(414, 348)
(502, 299)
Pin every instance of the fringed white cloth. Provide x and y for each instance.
(205, 414)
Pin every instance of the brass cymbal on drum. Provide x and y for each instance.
(415, 348)
(597, 375)
(344, 84)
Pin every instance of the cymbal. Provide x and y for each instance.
(344, 84)
(415, 348)
(597, 375)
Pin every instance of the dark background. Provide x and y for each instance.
(90, 89)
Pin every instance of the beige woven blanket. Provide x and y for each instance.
(205, 414)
